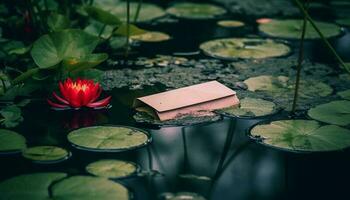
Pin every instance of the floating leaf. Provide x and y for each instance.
(182, 195)
(147, 12)
(195, 10)
(345, 94)
(45, 153)
(49, 50)
(244, 48)
(111, 168)
(230, 23)
(133, 30)
(102, 16)
(11, 141)
(89, 188)
(302, 135)
(108, 138)
(57, 22)
(335, 112)
(250, 107)
(29, 186)
(12, 116)
(152, 36)
(291, 28)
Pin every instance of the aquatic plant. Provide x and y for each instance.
(79, 93)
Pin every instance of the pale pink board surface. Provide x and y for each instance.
(201, 97)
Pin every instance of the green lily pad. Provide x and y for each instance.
(11, 141)
(195, 10)
(344, 94)
(112, 168)
(148, 11)
(335, 112)
(84, 63)
(57, 22)
(133, 30)
(182, 196)
(89, 188)
(343, 22)
(251, 107)
(102, 16)
(49, 50)
(95, 29)
(244, 48)
(291, 28)
(152, 36)
(46, 154)
(46, 186)
(230, 23)
(282, 85)
(302, 135)
(12, 116)
(108, 138)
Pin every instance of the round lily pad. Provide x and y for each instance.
(11, 142)
(89, 188)
(195, 10)
(148, 11)
(112, 168)
(29, 186)
(46, 154)
(335, 112)
(244, 48)
(108, 138)
(152, 36)
(230, 23)
(250, 107)
(345, 94)
(44, 186)
(302, 136)
(291, 29)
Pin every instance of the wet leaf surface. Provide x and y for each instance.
(334, 112)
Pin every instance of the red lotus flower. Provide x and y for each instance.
(79, 93)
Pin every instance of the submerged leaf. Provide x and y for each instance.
(335, 112)
(302, 135)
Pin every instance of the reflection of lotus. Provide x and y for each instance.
(79, 93)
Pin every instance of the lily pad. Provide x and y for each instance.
(195, 10)
(244, 48)
(29, 186)
(291, 29)
(49, 50)
(251, 107)
(108, 138)
(112, 168)
(148, 11)
(182, 196)
(343, 22)
(345, 94)
(102, 16)
(152, 36)
(230, 23)
(11, 141)
(335, 112)
(57, 22)
(95, 29)
(46, 154)
(302, 136)
(89, 188)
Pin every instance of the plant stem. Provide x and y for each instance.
(127, 27)
(139, 5)
(29, 73)
(305, 13)
(299, 66)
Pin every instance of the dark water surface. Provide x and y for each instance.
(229, 165)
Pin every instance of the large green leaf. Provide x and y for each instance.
(80, 64)
(195, 10)
(251, 107)
(12, 116)
(102, 16)
(11, 141)
(29, 186)
(45, 153)
(302, 135)
(57, 22)
(235, 48)
(49, 50)
(108, 138)
(344, 94)
(111, 168)
(335, 112)
(133, 30)
(291, 28)
(99, 29)
(88, 188)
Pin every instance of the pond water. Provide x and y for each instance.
(216, 160)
